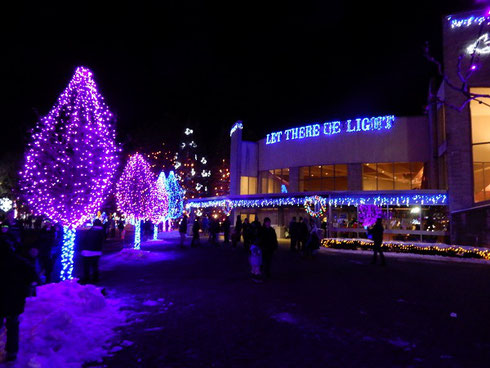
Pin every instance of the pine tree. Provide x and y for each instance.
(175, 197)
(192, 168)
(71, 161)
(137, 193)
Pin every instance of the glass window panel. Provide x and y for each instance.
(402, 176)
(340, 172)
(285, 176)
(304, 172)
(315, 171)
(478, 180)
(328, 183)
(244, 185)
(480, 116)
(270, 185)
(252, 185)
(385, 176)
(417, 169)
(341, 183)
(480, 133)
(328, 171)
(369, 177)
(315, 185)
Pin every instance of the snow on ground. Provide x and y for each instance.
(129, 256)
(67, 324)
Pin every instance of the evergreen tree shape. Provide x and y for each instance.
(136, 192)
(160, 209)
(71, 160)
(175, 197)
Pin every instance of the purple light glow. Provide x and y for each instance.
(71, 160)
(136, 191)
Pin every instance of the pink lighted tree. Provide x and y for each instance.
(71, 161)
(137, 193)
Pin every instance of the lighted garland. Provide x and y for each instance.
(318, 204)
(399, 247)
(355, 200)
(71, 160)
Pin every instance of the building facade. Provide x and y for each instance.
(427, 176)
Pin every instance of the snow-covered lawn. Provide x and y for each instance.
(65, 325)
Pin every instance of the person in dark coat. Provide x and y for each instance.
(303, 233)
(195, 232)
(183, 229)
(226, 230)
(237, 232)
(293, 234)
(46, 244)
(268, 244)
(16, 278)
(91, 246)
(256, 227)
(247, 234)
(376, 233)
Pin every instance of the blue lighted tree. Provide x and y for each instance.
(175, 197)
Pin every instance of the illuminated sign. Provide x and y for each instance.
(480, 46)
(332, 128)
(467, 22)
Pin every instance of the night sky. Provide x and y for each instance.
(187, 63)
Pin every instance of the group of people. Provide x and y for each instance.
(304, 237)
(28, 258)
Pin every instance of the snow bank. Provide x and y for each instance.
(66, 325)
(129, 256)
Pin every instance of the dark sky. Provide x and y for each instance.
(190, 62)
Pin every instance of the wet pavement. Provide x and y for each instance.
(198, 307)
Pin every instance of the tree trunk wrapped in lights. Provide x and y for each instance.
(71, 161)
(136, 193)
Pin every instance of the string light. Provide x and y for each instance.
(319, 205)
(236, 126)
(175, 197)
(401, 247)
(5, 204)
(71, 160)
(137, 192)
(160, 209)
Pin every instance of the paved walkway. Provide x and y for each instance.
(335, 311)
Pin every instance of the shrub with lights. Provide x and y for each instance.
(71, 161)
(160, 210)
(137, 193)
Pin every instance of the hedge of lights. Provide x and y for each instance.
(430, 249)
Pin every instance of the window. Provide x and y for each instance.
(323, 178)
(480, 136)
(271, 181)
(248, 185)
(390, 176)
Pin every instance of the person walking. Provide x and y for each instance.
(377, 235)
(226, 230)
(195, 233)
(120, 227)
(268, 245)
(293, 234)
(313, 242)
(16, 279)
(237, 233)
(302, 234)
(183, 229)
(91, 251)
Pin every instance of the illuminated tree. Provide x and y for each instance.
(221, 179)
(71, 161)
(137, 193)
(175, 197)
(191, 168)
(160, 209)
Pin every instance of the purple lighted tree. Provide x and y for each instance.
(71, 161)
(137, 193)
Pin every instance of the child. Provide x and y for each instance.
(255, 262)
